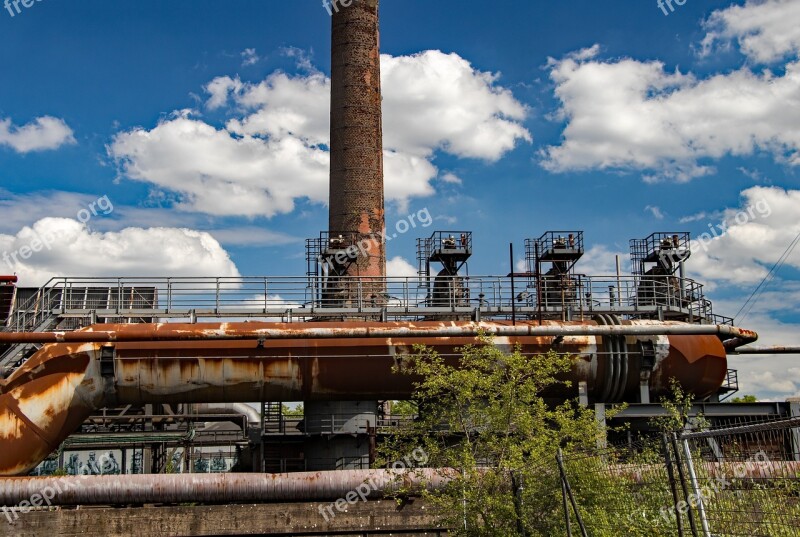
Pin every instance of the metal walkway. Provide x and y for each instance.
(71, 303)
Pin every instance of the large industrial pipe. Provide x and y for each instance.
(272, 331)
(349, 485)
(218, 488)
(47, 399)
(41, 406)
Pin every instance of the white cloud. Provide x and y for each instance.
(41, 134)
(451, 178)
(447, 219)
(697, 217)
(600, 261)
(750, 238)
(773, 377)
(274, 150)
(20, 210)
(249, 57)
(219, 89)
(767, 381)
(632, 115)
(765, 30)
(76, 250)
(282, 106)
(753, 175)
(219, 174)
(398, 267)
(407, 176)
(435, 101)
(655, 211)
(253, 236)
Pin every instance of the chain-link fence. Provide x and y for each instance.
(742, 480)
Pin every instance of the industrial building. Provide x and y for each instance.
(160, 380)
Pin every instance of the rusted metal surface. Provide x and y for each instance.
(274, 331)
(55, 391)
(303, 486)
(41, 405)
(767, 350)
(218, 488)
(695, 363)
(356, 181)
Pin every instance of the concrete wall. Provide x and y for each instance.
(362, 519)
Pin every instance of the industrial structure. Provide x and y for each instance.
(158, 371)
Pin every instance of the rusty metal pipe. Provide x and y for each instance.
(44, 405)
(216, 488)
(766, 350)
(271, 331)
(301, 486)
(47, 398)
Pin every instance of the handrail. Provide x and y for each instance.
(249, 296)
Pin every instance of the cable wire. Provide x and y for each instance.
(767, 279)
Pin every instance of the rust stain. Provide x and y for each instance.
(52, 394)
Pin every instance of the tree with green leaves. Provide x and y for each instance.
(745, 399)
(483, 419)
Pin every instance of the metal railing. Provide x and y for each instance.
(290, 299)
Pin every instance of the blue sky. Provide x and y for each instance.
(205, 124)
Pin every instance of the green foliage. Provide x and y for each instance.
(482, 420)
(296, 412)
(485, 418)
(404, 408)
(745, 399)
(679, 407)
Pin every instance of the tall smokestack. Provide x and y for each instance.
(356, 189)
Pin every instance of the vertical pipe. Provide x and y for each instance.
(538, 281)
(682, 276)
(701, 508)
(513, 292)
(619, 282)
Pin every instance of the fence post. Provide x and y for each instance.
(516, 486)
(672, 485)
(684, 486)
(701, 509)
(565, 482)
(566, 508)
